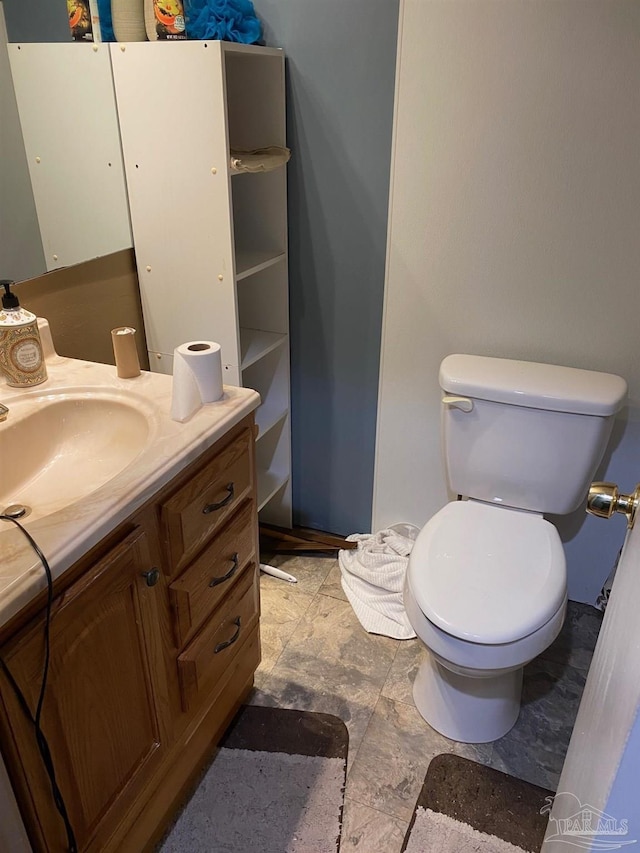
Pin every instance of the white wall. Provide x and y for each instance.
(514, 226)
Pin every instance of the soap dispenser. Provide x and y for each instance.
(21, 357)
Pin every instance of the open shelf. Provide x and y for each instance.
(251, 261)
(255, 103)
(263, 301)
(259, 214)
(278, 510)
(256, 343)
(269, 376)
(268, 484)
(273, 463)
(267, 416)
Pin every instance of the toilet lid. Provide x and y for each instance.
(486, 574)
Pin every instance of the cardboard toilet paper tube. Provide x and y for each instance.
(124, 349)
(197, 377)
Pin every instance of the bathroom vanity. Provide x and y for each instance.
(154, 627)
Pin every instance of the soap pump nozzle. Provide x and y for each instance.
(9, 299)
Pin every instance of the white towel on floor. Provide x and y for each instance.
(373, 578)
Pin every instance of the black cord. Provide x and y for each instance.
(41, 740)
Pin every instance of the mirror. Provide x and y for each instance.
(64, 192)
(21, 254)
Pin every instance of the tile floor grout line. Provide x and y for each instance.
(363, 738)
(274, 664)
(375, 809)
(282, 650)
(393, 660)
(328, 595)
(352, 761)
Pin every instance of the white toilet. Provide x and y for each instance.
(485, 589)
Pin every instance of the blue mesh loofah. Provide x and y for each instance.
(228, 20)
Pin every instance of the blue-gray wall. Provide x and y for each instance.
(341, 58)
(37, 20)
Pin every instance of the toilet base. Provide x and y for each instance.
(469, 710)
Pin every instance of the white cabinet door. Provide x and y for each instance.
(171, 105)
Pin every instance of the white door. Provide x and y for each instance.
(597, 806)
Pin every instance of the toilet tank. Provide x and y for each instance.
(534, 433)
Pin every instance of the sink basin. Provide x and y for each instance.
(56, 449)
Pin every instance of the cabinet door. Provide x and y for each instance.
(176, 161)
(102, 716)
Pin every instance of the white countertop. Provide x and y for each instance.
(65, 535)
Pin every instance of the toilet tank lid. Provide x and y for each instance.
(537, 386)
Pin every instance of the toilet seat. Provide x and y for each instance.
(487, 574)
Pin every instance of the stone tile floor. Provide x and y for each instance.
(317, 657)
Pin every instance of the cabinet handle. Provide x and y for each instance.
(229, 574)
(230, 642)
(152, 576)
(213, 507)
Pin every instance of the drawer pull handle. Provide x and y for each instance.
(229, 574)
(230, 642)
(151, 577)
(213, 507)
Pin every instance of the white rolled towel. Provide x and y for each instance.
(373, 578)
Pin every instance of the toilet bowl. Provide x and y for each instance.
(486, 588)
(480, 620)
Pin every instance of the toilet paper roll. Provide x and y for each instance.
(126, 354)
(197, 377)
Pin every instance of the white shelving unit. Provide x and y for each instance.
(211, 244)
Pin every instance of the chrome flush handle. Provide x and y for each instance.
(604, 499)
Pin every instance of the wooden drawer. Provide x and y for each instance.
(197, 592)
(210, 653)
(202, 505)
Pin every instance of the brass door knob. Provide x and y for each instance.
(604, 499)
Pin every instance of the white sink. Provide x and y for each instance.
(57, 448)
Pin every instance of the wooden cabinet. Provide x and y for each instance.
(103, 704)
(211, 243)
(153, 646)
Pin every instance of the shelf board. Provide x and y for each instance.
(267, 416)
(256, 50)
(256, 343)
(249, 262)
(268, 484)
(235, 172)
